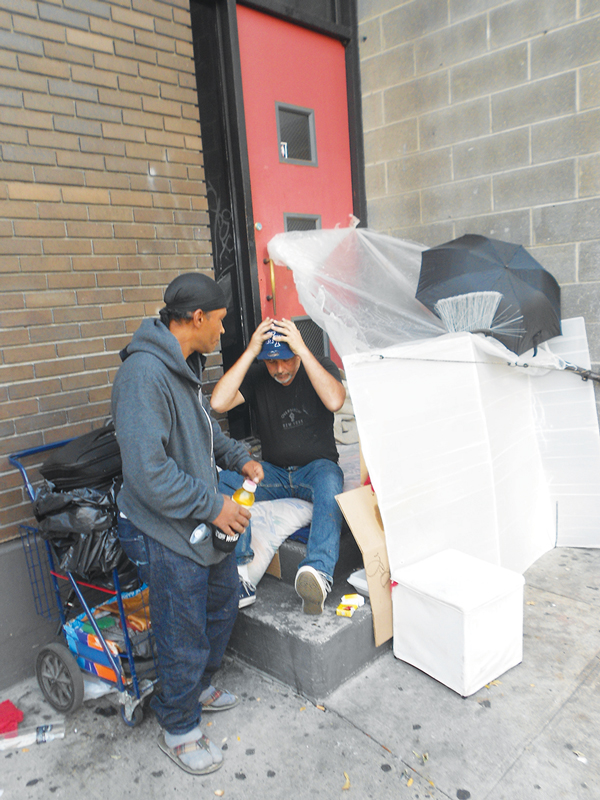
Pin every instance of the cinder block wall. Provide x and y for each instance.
(483, 116)
(102, 203)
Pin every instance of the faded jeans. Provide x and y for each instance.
(193, 609)
(318, 482)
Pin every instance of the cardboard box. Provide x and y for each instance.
(359, 507)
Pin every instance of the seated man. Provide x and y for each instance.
(294, 396)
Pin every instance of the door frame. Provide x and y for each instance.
(343, 27)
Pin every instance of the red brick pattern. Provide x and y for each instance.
(102, 203)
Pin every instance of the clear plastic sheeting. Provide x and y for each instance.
(468, 445)
(358, 285)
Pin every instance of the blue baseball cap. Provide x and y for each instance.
(274, 350)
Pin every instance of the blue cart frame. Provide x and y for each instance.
(58, 672)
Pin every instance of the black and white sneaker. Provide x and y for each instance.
(247, 593)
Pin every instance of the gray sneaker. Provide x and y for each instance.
(313, 587)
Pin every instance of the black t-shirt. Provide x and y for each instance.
(293, 424)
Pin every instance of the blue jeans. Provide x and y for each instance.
(318, 482)
(193, 609)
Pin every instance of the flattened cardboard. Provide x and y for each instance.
(274, 567)
(360, 509)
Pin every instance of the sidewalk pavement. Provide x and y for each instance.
(389, 732)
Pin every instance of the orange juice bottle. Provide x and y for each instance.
(244, 496)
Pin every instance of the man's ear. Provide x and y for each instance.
(198, 317)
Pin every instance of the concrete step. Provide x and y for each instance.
(312, 654)
(292, 552)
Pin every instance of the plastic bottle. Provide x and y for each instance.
(200, 533)
(244, 496)
(27, 736)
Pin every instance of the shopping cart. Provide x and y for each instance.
(105, 633)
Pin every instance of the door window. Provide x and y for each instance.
(296, 134)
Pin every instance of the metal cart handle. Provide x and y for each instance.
(33, 451)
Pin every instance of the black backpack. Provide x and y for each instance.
(92, 461)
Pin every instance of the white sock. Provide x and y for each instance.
(243, 572)
(197, 759)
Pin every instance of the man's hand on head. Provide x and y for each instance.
(260, 336)
(286, 331)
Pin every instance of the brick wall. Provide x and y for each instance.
(483, 116)
(102, 203)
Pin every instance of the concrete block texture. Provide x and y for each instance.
(510, 226)
(589, 87)
(524, 19)
(580, 300)
(589, 261)
(416, 97)
(454, 124)
(387, 213)
(459, 9)
(531, 186)
(369, 37)
(374, 8)
(430, 235)
(567, 48)
(419, 170)
(456, 200)
(490, 73)
(375, 178)
(452, 45)
(574, 135)
(490, 154)
(589, 176)
(576, 221)
(413, 20)
(372, 109)
(387, 69)
(587, 8)
(391, 141)
(534, 102)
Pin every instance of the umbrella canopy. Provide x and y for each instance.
(528, 312)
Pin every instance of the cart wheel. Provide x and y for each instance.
(59, 677)
(136, 719)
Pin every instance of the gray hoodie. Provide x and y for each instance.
(169, 443)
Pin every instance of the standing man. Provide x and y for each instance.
(294, 396)
(170, 447)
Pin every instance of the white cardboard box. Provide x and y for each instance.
(459, 619)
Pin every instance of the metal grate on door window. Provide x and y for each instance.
(296, 134)
(301, 222)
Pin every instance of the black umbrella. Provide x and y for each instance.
(526, 310)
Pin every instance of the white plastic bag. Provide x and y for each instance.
(272, 522)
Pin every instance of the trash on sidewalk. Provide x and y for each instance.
(10, 717)
(355, 600)
(34, 735)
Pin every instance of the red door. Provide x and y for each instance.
(296, 113)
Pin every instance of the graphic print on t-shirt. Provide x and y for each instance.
(292, 418)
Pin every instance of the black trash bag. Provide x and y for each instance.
(81, 526)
